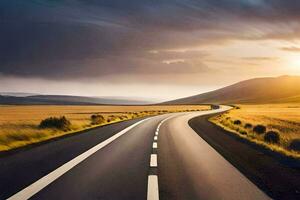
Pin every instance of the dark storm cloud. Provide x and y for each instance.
(93, 38)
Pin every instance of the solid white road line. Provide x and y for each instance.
(153, 160)
(154, 146)
(152, 193)
(37, 186)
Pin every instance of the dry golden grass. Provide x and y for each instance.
(283, 118)
(19, 124)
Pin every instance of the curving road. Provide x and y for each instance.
(156, 158)
(189, 168)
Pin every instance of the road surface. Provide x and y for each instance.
(156, 158)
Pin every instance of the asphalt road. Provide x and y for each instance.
(189, 168)
(20, 169)
(159, 156)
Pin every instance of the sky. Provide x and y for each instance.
(157, 49)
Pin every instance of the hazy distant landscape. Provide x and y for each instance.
(30, 99)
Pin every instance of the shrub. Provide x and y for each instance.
(237, 122)
(248, 125)
(213, 107)
(272, 137)
(243, 132)
(61, 123)
(260, 129)
(295, 145)
(97, 119)
(120, 117)
(112, 118)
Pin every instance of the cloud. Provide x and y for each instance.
(83, 39)
(260, 58)
(291, 49)
(175, 61)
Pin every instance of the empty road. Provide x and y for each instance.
(155, 158)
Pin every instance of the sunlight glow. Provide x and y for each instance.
(294, 63)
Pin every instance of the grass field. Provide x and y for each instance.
(281, 118)
(19, 124)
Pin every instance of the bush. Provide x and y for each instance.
(237, 122)
(295, 145)
(243, 132)
(97, 119)
(112, 118)
(61, 123)
(260, 129)
(248, 125)
(272, 137)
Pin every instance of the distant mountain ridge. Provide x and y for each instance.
(17, 94)
(65, 100)
(283, 89)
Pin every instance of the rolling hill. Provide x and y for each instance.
(65, 100)
(283, 89)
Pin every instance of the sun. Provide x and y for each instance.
(294, 63)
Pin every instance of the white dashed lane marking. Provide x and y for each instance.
(153, 189)
(153, 160)
(153, 193)
(154, 146)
